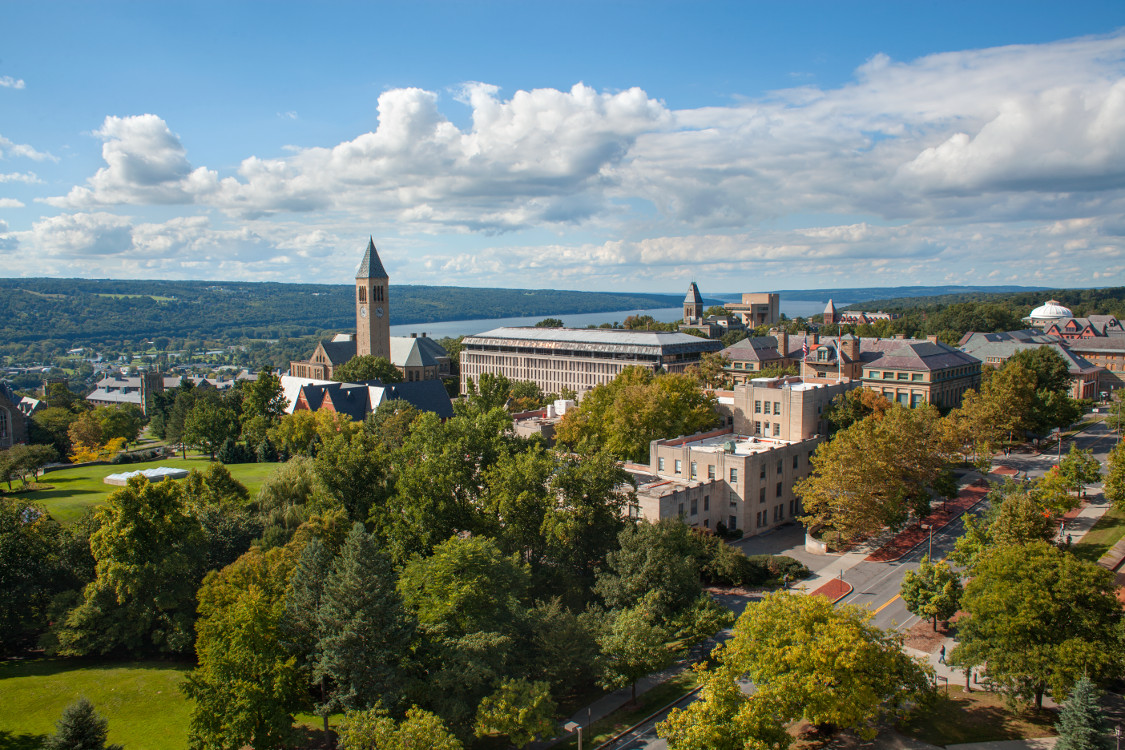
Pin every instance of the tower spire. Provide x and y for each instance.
(371, 267)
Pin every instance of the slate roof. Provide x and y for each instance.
(415, 352)
(338, 352)
(359, 399)
(912, 354)
(754, 349)
(424, 395)
(1113, 342)
(371, 267)
(693, 297)
(1005, 344)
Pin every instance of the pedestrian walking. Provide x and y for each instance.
(941, 659)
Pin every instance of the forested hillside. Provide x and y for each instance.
(94, 311)
(1082, 302)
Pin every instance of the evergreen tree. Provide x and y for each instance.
(267, 454)
(80, 728)
(1081, 726)
(364, 628)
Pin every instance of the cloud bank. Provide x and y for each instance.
(922, 167)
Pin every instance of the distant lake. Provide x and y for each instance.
(453, 328)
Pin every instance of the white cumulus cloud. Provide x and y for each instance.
(7, 82)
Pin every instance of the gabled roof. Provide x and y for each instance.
(415, 352)
(371, 267)
(338, 352)
(423, 395)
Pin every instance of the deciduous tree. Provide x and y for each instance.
(1115, 477)
(248, 683)
(364, 367)
(208, 425)
(520, 709)
(374, 729)
(633, 645)
(658, 562)
(148, 549)
(807, 659)
(1039, 618)
(30, 546)
(933, 591)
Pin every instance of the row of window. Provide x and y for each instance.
(889, 375)
(763, 407)
(693, 468)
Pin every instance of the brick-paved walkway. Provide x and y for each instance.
(907, 539)
(835, 590)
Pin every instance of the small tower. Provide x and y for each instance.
(372, 313)
(830, 313)
(693, 305)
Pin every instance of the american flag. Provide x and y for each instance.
(805, 347)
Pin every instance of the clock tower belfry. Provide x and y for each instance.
(372, 312)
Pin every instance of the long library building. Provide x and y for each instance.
(576, 358)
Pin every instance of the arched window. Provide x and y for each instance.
(5, 428)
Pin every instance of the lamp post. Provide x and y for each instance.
(930, 528)
(1117, 734)
(572, 726)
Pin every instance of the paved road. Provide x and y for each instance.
(877, 585)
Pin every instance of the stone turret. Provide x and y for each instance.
(693, 305)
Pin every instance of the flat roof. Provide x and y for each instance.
(744, 445)
(598, 336)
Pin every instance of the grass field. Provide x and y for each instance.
(67, 493)
(978, 716)
(1102, 535)
(141, 700)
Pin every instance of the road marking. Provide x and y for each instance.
(887, 604)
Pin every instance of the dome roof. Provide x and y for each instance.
(1051, 309)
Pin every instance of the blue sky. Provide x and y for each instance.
(600, 146)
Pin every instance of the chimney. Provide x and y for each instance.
(815, 338)
(783, 342)
(932, 338)
(423, 334)
(413, 335)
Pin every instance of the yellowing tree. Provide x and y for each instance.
(807, 659)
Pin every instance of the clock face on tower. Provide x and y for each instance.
(378, 312)
(363, 311)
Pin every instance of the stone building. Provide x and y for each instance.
(909, 371)
(757, 308)
(13, 423)
(743, 482)
(416, 357)
(994, 349)
(576, 358)
(786, 408)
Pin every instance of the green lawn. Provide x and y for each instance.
(69, 492)
(141, 700)
(1104, 534)
(979, 716)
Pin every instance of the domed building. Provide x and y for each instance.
(1047, 313)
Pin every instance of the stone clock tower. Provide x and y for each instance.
(372, 313)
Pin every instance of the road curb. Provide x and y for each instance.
(646, 719)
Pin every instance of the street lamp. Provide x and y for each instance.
(572, 726)
(930, 528)
(1117, 734)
